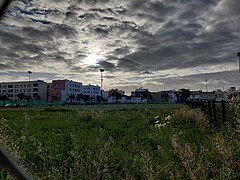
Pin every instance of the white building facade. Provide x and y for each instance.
(93, 92)
(36, 90)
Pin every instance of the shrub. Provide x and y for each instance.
(186, 115)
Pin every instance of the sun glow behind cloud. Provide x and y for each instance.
(92, 59)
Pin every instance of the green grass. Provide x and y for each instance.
(119, 142)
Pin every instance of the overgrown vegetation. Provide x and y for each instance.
(162, 143)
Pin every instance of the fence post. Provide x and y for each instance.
(214, 113)
(196, 104)
(223, 112)
(210, 112)
(192, 103)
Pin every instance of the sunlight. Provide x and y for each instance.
(92, 59)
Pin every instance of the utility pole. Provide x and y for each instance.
(206, 86)
(101, 70)
(29, 88)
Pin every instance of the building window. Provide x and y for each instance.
(4, 86)
(35, 84)
(35, 89)
(16, 86)
(10, 86)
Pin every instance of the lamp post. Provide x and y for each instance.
(29, 88)
(238, 54)
(101, 70)
(206, 86)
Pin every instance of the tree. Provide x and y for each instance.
(86, 98)
(3, 97)
(54, 98)
(21, 96)
(79, 97)
(37, 97)
(91, 99)
(185, 93)
(28, 98)
(71, 97)
(117, 95)
(147, 95)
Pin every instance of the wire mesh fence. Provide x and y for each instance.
(8, 103)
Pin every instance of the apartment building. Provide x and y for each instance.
(65, 90)
(36, 90)
(94, 92)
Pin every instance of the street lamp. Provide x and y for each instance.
(101, 70)
(206, 86)
(238, 54)
(29, 93)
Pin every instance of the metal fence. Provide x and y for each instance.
(218, 112)
(8, 103)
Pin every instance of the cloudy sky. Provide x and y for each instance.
(157, 44)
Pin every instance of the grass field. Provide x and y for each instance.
(119, 142)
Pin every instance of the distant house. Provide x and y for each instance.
(137, 100)
(139, 92)
(172, 96)
(156, 97)
(194, 95)
(164, 97)
(221, 95)
(199, 95)
(125, 99)
(207, 95)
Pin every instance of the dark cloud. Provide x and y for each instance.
(138, 38)
(146, 72)
(107, 65)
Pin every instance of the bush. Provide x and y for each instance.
(187, 115)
